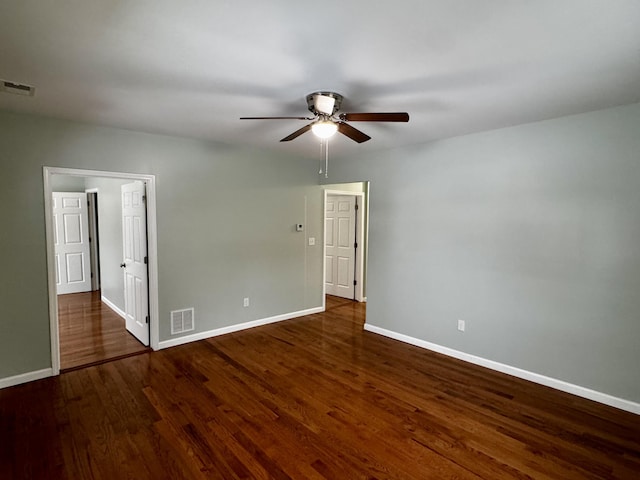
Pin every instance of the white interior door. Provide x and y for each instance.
(340, 238)
(134, 263)
(71, 242)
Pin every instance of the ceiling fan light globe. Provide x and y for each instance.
(324, 129)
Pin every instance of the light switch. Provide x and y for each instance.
(312, 241)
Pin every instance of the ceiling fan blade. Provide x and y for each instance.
(375, 117)
(297, 133)
(276, 118)
(352, 133)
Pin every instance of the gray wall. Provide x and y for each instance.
(530, 234)
(226, 227)
(110, 237)
(67, 183)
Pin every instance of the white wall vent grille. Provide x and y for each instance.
(182, 321)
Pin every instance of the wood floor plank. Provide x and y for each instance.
(90, 332)
(309, 398)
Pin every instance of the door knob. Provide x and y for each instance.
(123, 265)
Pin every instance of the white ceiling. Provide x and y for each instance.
(193, 67)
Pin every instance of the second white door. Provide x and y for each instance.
(71, 242)
(134, 264)
(340, 239)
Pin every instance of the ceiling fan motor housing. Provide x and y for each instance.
(324, 103)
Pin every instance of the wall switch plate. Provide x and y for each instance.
(461, 325)
(312, 241)
(246, 302)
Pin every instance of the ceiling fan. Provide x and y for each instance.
(326, 120)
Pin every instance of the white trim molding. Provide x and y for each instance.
(113, 306)
(236, 328)
(25, 377)
(561, 385)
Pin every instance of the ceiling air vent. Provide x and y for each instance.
(17, 88)
(182, 321)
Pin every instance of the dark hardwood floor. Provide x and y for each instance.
(309, 398)
(90, 332)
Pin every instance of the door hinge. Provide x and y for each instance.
(146, 319)
(356, 207)
(355, 245)
(355, 282)
(146, 260)
(144, 199)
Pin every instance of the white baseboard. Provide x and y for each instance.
(596, 396)
(236, 328)
(112, 306)
(25, 377)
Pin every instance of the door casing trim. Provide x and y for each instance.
(152, 239)
(359, 260)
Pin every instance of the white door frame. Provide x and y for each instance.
(359, 240)
(152, 253)
(94, 255)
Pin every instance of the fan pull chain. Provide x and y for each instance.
(324, 153)
(326, 158)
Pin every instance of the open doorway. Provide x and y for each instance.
(88, 327)
(345, 240)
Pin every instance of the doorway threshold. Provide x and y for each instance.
(105, 360)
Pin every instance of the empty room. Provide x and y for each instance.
(254, 240)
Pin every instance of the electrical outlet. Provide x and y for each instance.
(246, 302)
(312, 241)
(461, 325)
